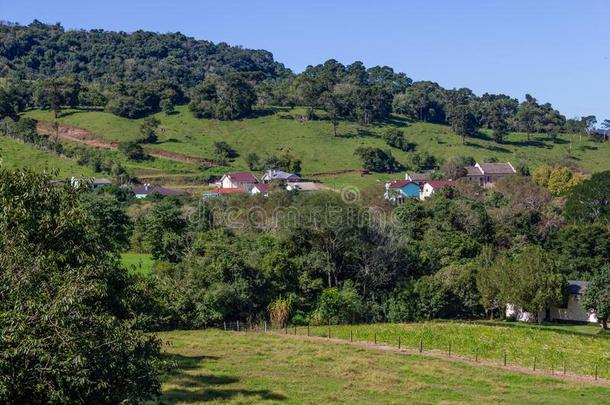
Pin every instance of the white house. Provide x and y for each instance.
(572, 311)
(487, 173)
(260, 188)
(431, 186)
(278, 175)
(243, 180)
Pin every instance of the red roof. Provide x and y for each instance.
(400, 183)
(262, 187)
(242, 177)
(440, 183)
(226, 191)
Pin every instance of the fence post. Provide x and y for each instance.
(534, 363)
(225, 325)
(238, 326)
(476, 354)
(449, 349)
(295, 330)
(375, 338)
(265, 326)
(398, 342)
(351, 336)
(505, 357)
(564, 366)
(595, 372)
(307, 330)
(421, 345)
(329, 332)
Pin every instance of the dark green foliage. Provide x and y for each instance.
(377, 160)
(597, 295)
(285, 162)
(148, 130)
(462, 121)
(590, 201)
(162, 230)
(110, 224)
(581, 249)
(139, 99)
(253, 161)
(42, 51)
(339, 305)
(421, 161)
(223, 152)
(133, 150)
(396, 139)
(66, 336)
(226, 98)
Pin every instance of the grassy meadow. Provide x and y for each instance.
(250, 368)
(16, 154)
(137, 262)
(581, 346)
(277, 132)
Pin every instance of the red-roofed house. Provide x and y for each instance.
(397, 190)
(243, 180)
(431, 186)
(260, 188)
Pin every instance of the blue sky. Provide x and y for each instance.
(557, 50)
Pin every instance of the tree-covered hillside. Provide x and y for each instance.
(40, 51)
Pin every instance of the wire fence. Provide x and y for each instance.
(553, 362)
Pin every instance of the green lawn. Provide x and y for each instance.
(16, 154)
(137, 262)
(582, 347)
(251, 368)
(320, 151)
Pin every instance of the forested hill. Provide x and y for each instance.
(40, 51)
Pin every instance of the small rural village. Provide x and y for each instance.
(407, 203)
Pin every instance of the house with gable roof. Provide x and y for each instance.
(485, 174)
(241, 180)
(397, 190)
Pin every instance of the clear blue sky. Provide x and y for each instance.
(557, 50)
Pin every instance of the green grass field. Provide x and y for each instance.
(251, 368)
(320, 151)
(137, 262)
(582, 347)
(16, 154)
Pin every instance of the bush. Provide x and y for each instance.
(339, 305)
(133, 151)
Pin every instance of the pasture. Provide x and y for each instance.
(214, 366)
(582, 348)
(276, 132)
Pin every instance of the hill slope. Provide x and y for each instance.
(246, 368)
(278, 132)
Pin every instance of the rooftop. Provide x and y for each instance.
(242, 177)
(440, 183)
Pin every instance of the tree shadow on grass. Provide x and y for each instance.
(191, 388)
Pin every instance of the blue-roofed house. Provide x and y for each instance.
(397, 190)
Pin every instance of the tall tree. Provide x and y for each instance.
(66, 333)
(463, 122)
(597, 295)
